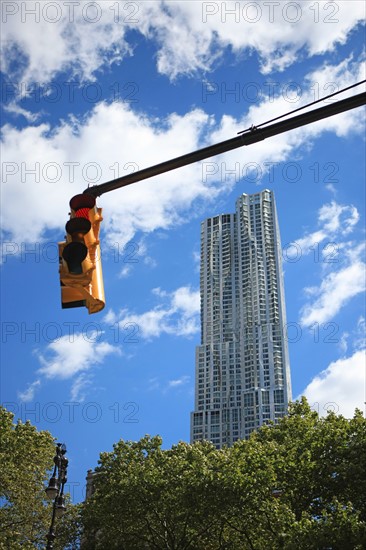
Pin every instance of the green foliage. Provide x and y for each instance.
(26, 457)
(69, 528)
(297, 484)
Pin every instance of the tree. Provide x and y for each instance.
(149, 498)
(297, 484)
(26, 458)
(69, 528)
(320, 465)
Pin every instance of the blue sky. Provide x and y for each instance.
(92, 90)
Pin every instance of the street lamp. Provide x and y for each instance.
(55, 490)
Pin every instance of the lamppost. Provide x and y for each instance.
(55, 490)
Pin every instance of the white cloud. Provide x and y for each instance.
(178, 382)
(330, 187)
(138, 251)
(356, 339)
(340, 387)
(71, 355)
(264, 155)
(197, 260)
(245, 26)
(341, 263)
(150, 262)
(177, 314)
(154, 384)
(336, 289)
(79, 387)
(314, 86)
(80, 37)
(189, 36)
(343, 342)
(28, 394)
(79, 152)
(359, 336)
(185, 300)
(41, 163)
(330, 216)
(335, 220)
(15, 109)
(125, 271)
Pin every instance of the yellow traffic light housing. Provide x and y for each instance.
(80, 266)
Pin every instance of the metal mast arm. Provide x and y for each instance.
(246, 138)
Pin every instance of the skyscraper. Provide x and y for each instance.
(242, 365)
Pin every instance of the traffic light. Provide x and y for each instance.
(80, 268)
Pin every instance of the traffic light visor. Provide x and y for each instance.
(82, 201)
(74, 254)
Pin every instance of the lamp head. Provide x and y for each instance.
(60, 506)
(52, 489)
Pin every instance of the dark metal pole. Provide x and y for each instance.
(61, 467)
(246, 138)
(51, 535)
